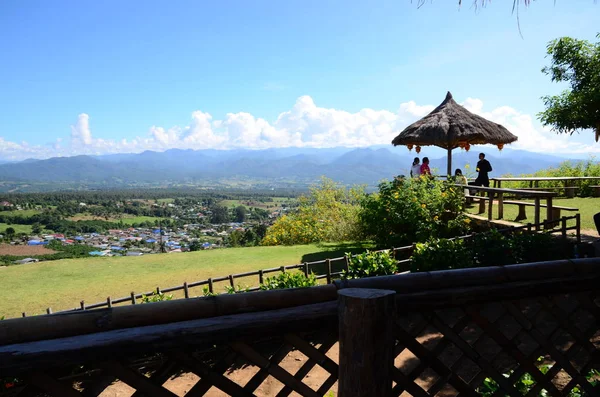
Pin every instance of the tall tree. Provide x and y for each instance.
(576, 62)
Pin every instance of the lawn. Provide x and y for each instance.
(26, 213)
(588, 206)
(18, 228)
(64, 283)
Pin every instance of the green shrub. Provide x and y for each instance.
(491, 248)
(413, 210)
(441, 254)
(329, 213)
(156, 297)
(369, 264)
(289, 280)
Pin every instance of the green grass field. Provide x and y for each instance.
(18, 228)
(63, 284)
(588, 206)
(138, 219)
(21, 212)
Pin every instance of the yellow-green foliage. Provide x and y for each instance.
(328, 213)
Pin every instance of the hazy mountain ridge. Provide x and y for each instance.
(302, 165)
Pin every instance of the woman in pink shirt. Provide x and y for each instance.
(425, 167)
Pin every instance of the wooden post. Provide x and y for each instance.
(24, 314)
(109, 302)
(549, 213)
(231, 282)
(578, 227)
(500, 205)
(282, 268)
(186, 291)
(328, 264)
(49, 310)
(537, 214)
(449, 162)
(261, 277)
(563, 227)
(490, 205)
(305, 268)
(346, 262)
(82, 305)
(210, 285)
(366, 342)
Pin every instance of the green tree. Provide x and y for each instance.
(220, 214)
(36, 228)
(10, 232)
(577, 63)
(240, 213)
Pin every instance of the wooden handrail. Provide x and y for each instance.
(502, 190)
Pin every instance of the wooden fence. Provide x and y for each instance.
(327, 269)
(444, 333)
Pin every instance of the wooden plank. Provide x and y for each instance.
(204, 384)
(85, 322)
(204, 372)
(18, 358)
(52, 386)
(537, 213)
(275, 370)
(134, 379)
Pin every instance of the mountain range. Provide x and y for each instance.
(271, 167)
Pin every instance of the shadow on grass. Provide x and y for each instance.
(334, 250)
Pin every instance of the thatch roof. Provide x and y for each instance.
(449, 124)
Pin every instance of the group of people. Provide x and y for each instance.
(483, 169)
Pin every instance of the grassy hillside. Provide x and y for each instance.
(62, 284)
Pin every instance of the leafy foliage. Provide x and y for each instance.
(369, 264)
(441, 254)
(526, 382)
(289, 280)
(413, 210)
(576, 62)
(487, 249)
(328, 213)
(156, 297)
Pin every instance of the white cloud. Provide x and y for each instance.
(305, 124)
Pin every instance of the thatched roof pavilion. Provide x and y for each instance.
(450, 126)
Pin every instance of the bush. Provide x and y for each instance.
(156, 297)
(487, 249)
(441, 254)
(413, 210)
(329, 213)
(369, 264)
(289, 280)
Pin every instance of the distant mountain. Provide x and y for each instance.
(275, 167)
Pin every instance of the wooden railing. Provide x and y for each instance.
(444, 333)
(326, 269)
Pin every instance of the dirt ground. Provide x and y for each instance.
(24, 250)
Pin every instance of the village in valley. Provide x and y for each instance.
(171, 225)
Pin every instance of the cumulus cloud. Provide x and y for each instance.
(305, 124)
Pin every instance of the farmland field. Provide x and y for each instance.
(275, 204)
(18, 228)
(24, 250)
(26, 213)
(62, 284)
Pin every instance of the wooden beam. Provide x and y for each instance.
(90, 321)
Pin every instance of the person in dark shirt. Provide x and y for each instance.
(483, 167)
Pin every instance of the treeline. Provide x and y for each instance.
(101, 197)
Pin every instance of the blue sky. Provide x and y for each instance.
(113, 76)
